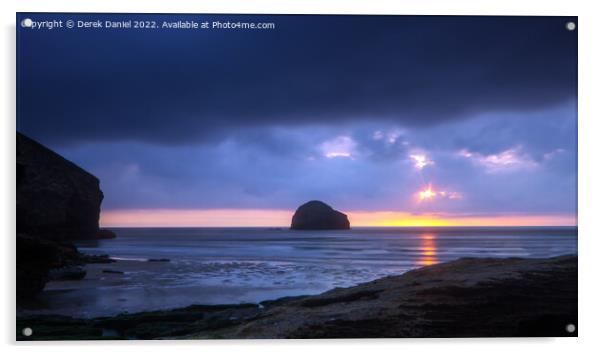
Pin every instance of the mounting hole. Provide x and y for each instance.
(26, 22)
(27, 331)
(570, 328)
(570, 26)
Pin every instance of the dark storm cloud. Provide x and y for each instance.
(280, 168)
(177, 87)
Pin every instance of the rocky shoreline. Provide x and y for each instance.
(469, 297)
(57, 202)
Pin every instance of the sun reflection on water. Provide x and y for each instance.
(428, 250)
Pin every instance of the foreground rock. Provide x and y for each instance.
(57, 202)
(463, 298)
(89, 258)
(35, 258)
(73, 272)
(56, 199)
(316, 215)
(40, 260)
(105, 234)
(112, 271)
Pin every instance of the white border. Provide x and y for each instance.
(590, 177)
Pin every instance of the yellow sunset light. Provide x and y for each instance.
(427, 193)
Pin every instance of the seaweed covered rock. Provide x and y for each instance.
(317, 215)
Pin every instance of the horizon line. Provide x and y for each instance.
(351, 228)
(187, 218)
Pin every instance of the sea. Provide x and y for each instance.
(250, 265)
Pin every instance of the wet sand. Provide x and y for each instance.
(134, 286)
(465, 298)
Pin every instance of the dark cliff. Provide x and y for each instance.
(57, 202)
(56, 199)
(316, 215)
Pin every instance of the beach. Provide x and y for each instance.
(469, 297)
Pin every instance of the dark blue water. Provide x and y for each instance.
(396, 247)
(233, 265)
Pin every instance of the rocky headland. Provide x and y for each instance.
(57, 202)
(56, 199)
(317, 215)
(464, 298)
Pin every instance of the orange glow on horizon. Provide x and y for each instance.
(195, 218)
(401, 219)
(282, 218)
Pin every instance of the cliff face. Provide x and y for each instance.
(56, 199)
(316, 215)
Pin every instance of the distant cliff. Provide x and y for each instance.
(317, 215)
(56, 199)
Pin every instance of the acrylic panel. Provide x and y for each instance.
(211, 176)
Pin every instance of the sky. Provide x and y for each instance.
(394, 120)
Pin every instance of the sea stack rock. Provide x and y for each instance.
(317, 215)
(56, 199)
